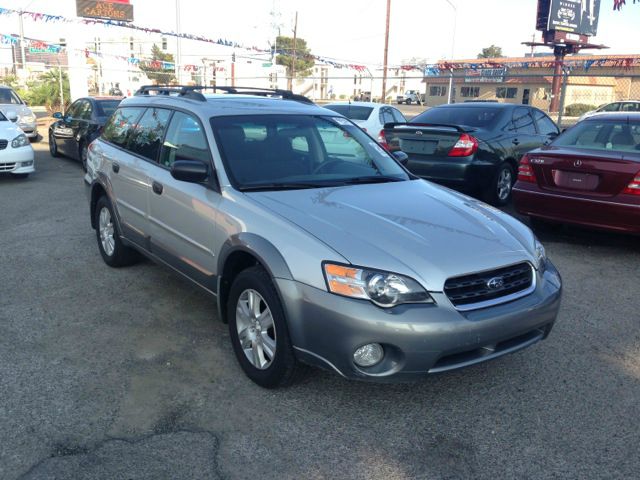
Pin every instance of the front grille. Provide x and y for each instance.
(3, 144)
(493, 285)
(7, 167)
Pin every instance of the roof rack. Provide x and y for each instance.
(193, 92)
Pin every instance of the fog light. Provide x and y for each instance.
(27, 164)
(368, 355)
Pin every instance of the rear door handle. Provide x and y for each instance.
(115, 167)
(157, 187)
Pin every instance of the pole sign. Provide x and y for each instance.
(578, 17)
(120, 10)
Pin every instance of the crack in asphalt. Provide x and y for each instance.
(62, 450)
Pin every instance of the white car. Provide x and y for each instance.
(369, 116)
(16, 153)
(615, 107)
(25, 118)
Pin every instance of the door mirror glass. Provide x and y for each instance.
(57, 115)
(188, 170)
(401, 157)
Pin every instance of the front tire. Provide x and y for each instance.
(113, 251)
(53, 146)
(258, 330)
(84, 152)
(499, 191)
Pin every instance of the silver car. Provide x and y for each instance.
(318, 245)
(13, 107)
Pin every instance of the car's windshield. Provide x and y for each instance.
(596, 134)
(469, 116)
(105, 108)
(300, 151)
(354, 112)
(8, 96)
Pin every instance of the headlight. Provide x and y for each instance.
(382, 288)
(20, 141)
(541, 256)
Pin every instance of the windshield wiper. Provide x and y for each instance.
(279, 186)
(371, 179)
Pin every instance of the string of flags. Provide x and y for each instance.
(43, 17)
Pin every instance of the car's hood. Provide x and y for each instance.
(19, 109)
(9, 130)
(414, 228)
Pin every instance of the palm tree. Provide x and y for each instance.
(617, 4)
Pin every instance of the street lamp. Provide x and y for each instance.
(453, 44)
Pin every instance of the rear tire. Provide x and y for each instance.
(84, 151)
(113, 251)
(258, 330)
(499, 191)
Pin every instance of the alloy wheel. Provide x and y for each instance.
(505, 179)
(105, 227)
(256, 329)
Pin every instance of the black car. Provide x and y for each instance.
(472, 147)
(72, 133)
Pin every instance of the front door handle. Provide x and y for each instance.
(157, 187)
(516, 142)
(115, 167)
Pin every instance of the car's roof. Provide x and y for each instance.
(356, 104)
(479, 104)
(229, 104)
(613, 116)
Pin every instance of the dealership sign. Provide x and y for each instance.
(484, 75)
(578, 17)
(111, 10)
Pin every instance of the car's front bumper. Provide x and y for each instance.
(17, 160)
(326, 329)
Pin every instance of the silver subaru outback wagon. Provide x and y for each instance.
(320, 247)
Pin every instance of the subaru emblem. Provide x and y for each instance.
(418, 132)
(495, 283)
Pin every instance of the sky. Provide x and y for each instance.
(352, 30)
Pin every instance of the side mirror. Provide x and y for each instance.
(12, 116)
(58, 115)
(401, 157)
(187, 170)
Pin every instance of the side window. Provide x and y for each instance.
(84, 110)
(185, 139)
(88, 111)
(630, 107)
(74, 109)
(612, 107)
(120, 125)
(147, 137)
(523, 121)
(545, 124)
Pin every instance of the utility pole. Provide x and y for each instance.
(178, 44)
(386, 53)
(293, 63)
(22, 50)
(61, 88)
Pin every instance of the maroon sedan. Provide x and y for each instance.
(589, 175)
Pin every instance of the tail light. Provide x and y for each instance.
(525, 172)
(382, 140)
(465, 146)
(634, 187)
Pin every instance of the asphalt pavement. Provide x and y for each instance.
(128, 374)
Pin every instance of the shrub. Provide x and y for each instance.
(578, 109)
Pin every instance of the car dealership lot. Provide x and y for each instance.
(128, 374)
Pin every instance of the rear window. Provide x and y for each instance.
(470, 116)
(602, 135)
(105, 108)
(353, 112)
(120, 125)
